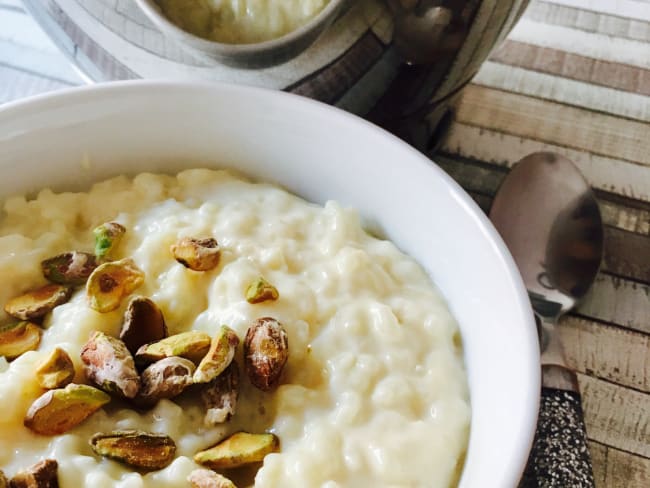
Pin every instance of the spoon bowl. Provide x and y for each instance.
(548, 215)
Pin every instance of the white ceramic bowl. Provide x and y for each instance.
(70, 139)
(255, 55)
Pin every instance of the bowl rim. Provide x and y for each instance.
(152, 11)
(35, 105)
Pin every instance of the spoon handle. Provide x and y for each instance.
(560, 457)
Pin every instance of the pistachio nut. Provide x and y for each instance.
(111, 282)
(192, 345)
(197, 254)
(109, 364)
(18, 338)
(58, 411)
(221, 353)
(55, 371)
(266, 350)
(205, 478)
(43, 474)
(71, 268)
(143, 323)
(142, 450)
(36, 303)
(260, 291)
(166, 378)
(107, 238)
(219, 397)
(238, 450)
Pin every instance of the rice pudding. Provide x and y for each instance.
(374, 392)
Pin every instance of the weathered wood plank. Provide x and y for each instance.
(563, 125)
(615, 469)
(606, 94)
(589, 21)
(633, 9)
(486, 178)
(607, 174)
(618, 301)
(626, 470)
(599, 462)
(627, 254)
(592, 44)
(616, 416)
(630, 219)
(595, 349)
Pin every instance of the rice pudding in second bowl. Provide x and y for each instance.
(373, 393)
(240, 21)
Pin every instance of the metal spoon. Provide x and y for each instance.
(549, 218)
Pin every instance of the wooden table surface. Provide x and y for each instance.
(573, 77)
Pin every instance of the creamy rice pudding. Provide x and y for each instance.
(374, 392)
(240, 21)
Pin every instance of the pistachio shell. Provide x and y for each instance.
(221, 353)
(220, 396)
(192, 345)
(107, 238)
(36, 303)
(260, 291)
(111, 282)
(141, 450)
(58, 411)
(71, 268)
(43, 474)
(55, 371)
(166, 378)
(266, 350)
(205, 478)
(238, 450)
(143, 323)
(197, 254)
(18, 338)
(109, 364)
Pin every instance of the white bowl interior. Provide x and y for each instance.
(72, 139)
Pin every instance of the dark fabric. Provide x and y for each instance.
(560, 457)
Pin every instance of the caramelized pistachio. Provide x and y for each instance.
(109, 364)
(58, 411)
(219, 397)
(260, 291)
(141, 450)
(266, 350)
(111, 282)
(18, 338)
(143, 323)
(238, 450)
(205, 478)
(107, 238)
(197, 254)
(71, 268)
(221, 353)
(55, 371)
(43, 474)
(192, 345)
(166, 378)
(36, 303)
